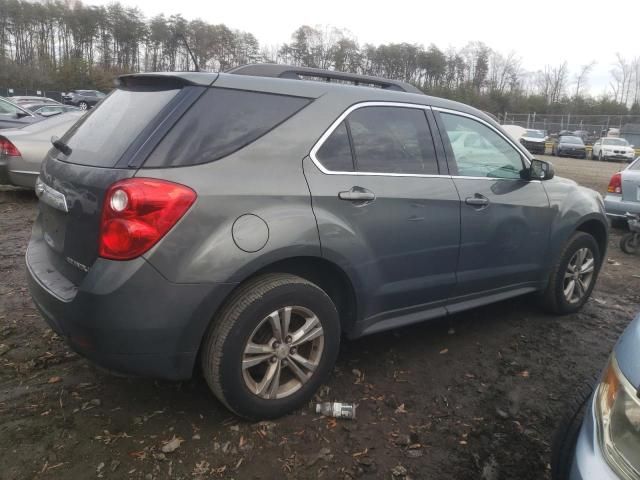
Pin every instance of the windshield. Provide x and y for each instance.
(618, 142)
(571, 140)
(534, 134)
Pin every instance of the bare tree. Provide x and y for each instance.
(582, 77)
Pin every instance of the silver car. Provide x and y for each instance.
(623, 193)
(22, 149)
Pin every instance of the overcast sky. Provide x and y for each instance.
(540, 31)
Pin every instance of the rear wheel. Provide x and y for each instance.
(630, 242)
(574, 275)
(271, 346)
(83, 105)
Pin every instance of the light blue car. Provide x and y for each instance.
(600, 439)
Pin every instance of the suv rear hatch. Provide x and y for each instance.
(107, 145)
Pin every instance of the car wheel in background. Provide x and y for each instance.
(574, 275)
(83, 105)
(271, 346)
(629, 243)
(564, 442)
(600, 157)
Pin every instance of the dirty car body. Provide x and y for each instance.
(315, 207)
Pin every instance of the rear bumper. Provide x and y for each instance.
(616, 207)
(125, 316)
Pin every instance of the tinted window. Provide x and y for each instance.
(106, 132)
(392, 140)
(7, 109)
(221, 122)
(335, 152)
(479, 151)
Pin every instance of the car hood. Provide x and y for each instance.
(628, 352)
(533, 139)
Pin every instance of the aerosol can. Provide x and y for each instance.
(337, 410)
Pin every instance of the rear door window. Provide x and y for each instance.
(392, 140)
(220, 123)
(335, 152)
(105, 133)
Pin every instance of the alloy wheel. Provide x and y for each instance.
(579, 275)
(283, 352)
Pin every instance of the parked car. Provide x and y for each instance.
(83, 99)
(13, 116)
(22, 150)
(20, 99)
(247, 220)
(534, 141)
(516, 131)
(599, 437)
(49, 109)
(623, 194)
(613, 148)
(569, 146)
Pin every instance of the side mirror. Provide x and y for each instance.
(541, 170)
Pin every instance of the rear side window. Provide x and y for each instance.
(220, 123)
(105, 133)
(335, 152)
(392, 140)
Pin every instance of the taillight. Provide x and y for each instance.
(8, 149)
(615, 184)
(138, 212)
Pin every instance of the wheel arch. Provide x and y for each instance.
(598, 230)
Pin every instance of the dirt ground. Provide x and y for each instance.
(475, 396)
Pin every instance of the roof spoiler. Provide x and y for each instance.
(179, 79)
(298, 73)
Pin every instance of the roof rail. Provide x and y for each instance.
(289, 71)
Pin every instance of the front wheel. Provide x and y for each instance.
(630, 242)
(272, 346)
(574, 275)
(83, 105)
(566, 436)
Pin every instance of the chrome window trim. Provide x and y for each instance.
(341, 118)
(357, 106)
(518, 149)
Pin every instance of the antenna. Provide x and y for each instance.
(186, 44)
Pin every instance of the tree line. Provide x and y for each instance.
(59, 45)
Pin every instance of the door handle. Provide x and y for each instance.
(357, 194)
(477, 201)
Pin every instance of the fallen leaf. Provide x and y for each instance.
(55, 380)
(524, 374)
(172, 445)
(443, 351)
(401, 409)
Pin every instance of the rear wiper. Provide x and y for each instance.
(61, 146)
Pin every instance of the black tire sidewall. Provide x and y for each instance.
(577, 242)
(236, 394)
(625, 244)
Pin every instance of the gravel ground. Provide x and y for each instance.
(473, 396)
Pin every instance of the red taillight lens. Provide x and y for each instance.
(615, 184)
(8, 149)
(138, 212)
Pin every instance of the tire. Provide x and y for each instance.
(83, 105)
(554, 298)
(600, 157)
(566, 436)
(630, 242)
(245, 317)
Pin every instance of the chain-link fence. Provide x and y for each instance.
(591, 126)
(9, 92)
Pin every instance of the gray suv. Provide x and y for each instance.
(247, 220)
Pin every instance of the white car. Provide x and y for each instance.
(613, 148)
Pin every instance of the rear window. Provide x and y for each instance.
(220, 123)
(105, 133)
